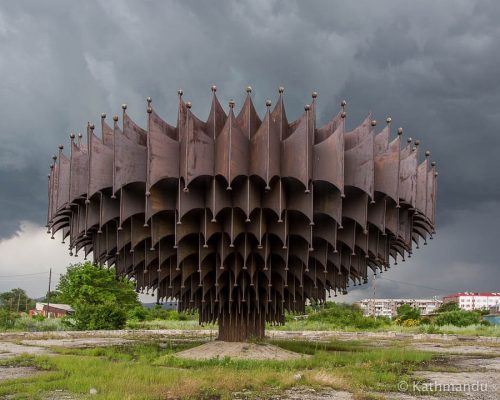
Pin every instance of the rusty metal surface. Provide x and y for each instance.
(242, 217)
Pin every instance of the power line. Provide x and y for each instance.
(13, 276)
(414, 284)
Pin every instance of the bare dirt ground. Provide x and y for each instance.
(212, 333)
(16, 372)
(466, 361)
(246, 351)
(78, 343)
(9, 349)
(457, 348)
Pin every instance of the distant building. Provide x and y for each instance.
(51, 310)
(473, 300)
(389, 307)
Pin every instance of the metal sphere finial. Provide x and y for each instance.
(124, 106)
(60, 147)
(268, 103)
(80, 135)
(409, 140)
(388, 120)
(231, 103)
(249, 89)
(72, 135)
(417, 142)
(400, 131)
(103, 115)
(307, 107)
(92, 127)
(149, 110)
(115, 118)
(281, 89)
(214, 88)
(180, 92)
(314, 95)
(343, 103)
(374, 122)
(433, 163)
(343, 114)
(189, 105)
(427, 153)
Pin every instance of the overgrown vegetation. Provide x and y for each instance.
(342, 315)
(100, 299)
(151, 371)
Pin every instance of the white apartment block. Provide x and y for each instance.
(474, 301)
(389, 307)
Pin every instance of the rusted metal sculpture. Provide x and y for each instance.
(240, 218)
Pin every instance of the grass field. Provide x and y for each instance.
(151, 371)
(306, 325)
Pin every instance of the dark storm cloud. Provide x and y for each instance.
(433, 66)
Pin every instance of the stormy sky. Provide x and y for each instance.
(434, 67)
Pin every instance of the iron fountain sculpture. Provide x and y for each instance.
(238, 218)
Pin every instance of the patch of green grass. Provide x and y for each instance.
(151, 371)
(169, 324)
(305, 324)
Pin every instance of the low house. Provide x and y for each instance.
(51, 310)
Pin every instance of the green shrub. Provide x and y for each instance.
(406, 312)
(38, 323)
(433, 329)
(345, 315)
(139, 313)
(7, 318)
(450, 306)
(97, 316)
(458, 318)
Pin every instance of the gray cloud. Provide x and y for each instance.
(433, 66)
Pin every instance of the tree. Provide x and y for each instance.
(406, 312)
(100, 299)
(55, 297)
(16, 300)
(449, 306)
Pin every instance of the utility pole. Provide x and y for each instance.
(373, 296)
(48, 294)
(18, 301)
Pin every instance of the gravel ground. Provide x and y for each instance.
(16, 372)
(212, 333)
(78, 343)
(457, 349)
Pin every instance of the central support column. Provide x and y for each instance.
(240, 327)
